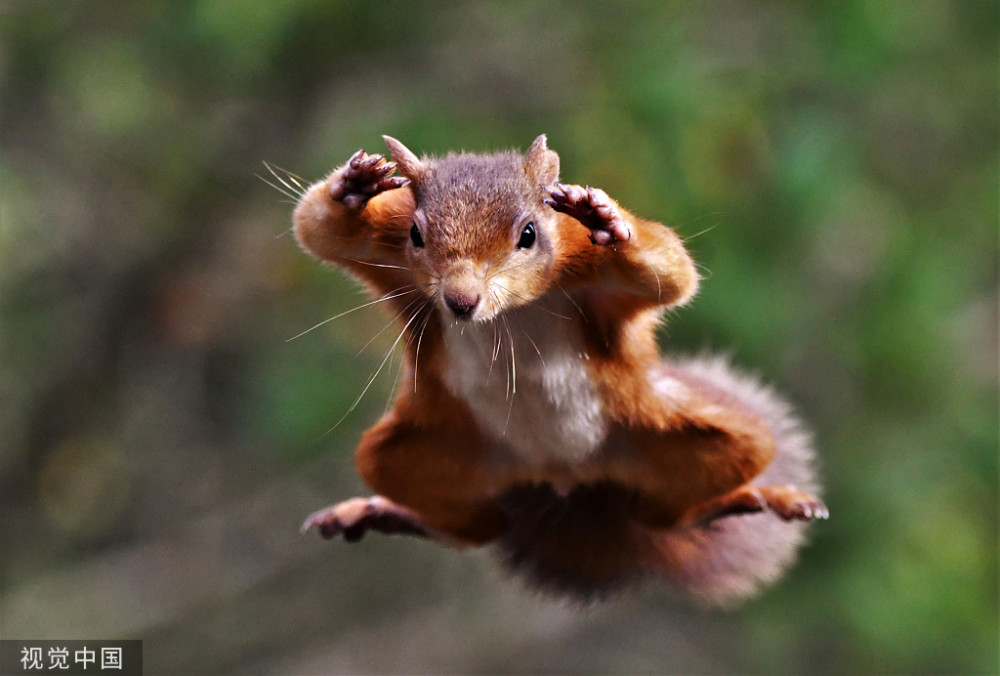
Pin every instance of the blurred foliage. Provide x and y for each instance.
(833, 164)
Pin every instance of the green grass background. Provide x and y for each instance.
(834, 163)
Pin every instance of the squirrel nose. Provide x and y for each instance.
(462, 304)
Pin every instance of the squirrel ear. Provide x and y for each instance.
(542, 164)
(409, 164)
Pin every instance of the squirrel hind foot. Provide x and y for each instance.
(787, 502)
(355, 517)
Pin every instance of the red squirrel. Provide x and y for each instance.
(536, 413)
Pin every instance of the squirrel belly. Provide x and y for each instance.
(537, 414)
(526, 380)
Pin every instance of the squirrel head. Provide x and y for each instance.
(481, 241)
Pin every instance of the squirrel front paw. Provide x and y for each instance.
(363, 177)
(355, 517)
(593, 208)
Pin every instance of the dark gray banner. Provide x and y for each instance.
(71, 658)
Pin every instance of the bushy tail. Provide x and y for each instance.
(583, 545)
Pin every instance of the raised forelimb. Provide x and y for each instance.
(642, 261)
(359, 217)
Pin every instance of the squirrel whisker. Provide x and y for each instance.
(389, 296)
(391, 322)
(373, 377)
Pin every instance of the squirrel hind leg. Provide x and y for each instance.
(727, 560)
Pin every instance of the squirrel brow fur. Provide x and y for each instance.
(462, 190)
(474, 180)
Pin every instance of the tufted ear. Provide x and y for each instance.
(409, 164)
(541, 163)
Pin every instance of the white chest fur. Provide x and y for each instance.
(525, 377)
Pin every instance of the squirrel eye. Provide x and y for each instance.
(527, 237)
(415, 237)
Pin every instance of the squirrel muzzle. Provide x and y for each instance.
(463, 287)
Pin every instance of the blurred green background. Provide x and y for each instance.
(835, 163)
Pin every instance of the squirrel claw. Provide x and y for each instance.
(356, 157)
(593, 208)
(363, 177)
(392, 182)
